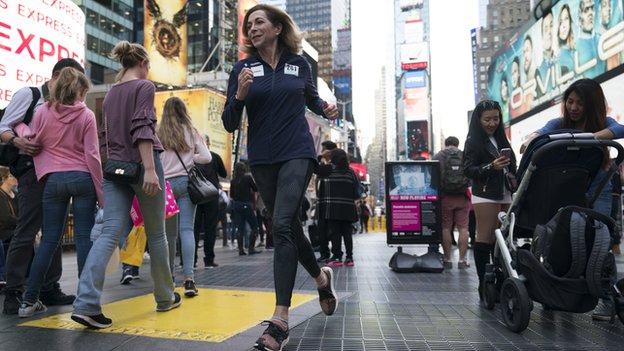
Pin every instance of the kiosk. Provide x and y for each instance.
(413, 213)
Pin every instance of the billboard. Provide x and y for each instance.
(417, 139)
(414, 31)
(416, 104)
(243, 6)
(577, 39)
(342, 85)
(414, 56)
(34, 35)
(166, 40)
(614, 93)
(415, 79)
(413, 202)
(205, 107)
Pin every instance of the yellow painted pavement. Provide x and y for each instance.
(214, 315)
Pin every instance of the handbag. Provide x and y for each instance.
(200, 190)
(120, 171)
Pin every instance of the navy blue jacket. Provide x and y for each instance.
(276, 105)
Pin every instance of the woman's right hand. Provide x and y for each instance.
(151, 185)
(245, 78)
(500, 163)
(528, 140)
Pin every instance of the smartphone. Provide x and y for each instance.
(506, 152)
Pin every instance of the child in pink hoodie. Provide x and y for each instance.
(70, 163)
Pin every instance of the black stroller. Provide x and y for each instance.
(566, 265)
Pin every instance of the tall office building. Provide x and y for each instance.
(107, 22)
(320, 20)
(412, 122)
(504, 19)
(377, 152)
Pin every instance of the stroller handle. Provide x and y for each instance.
(583, 143)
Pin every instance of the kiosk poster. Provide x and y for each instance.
(413, 203)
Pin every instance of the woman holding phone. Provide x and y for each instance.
(487, 160)
(585, 109)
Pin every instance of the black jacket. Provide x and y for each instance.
(213, 170)
(337, 193)
(486, 182)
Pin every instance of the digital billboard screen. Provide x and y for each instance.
(417, 139)
(415, 79)
(413, 202)
(576, 39)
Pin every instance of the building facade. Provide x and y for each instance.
(504, 19)
(376, 155)
(321, 20)
(107, 22)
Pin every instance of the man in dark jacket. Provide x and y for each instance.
(207, 215)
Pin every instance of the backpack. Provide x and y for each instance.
(453, 179)
(9, 153)
(575, 244)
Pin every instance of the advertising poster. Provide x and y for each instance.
(166, 40)
(417, 139)
(413, 203)
(205, 107)
(577, 39)
(243, 6)
(34, 35)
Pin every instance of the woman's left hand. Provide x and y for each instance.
(331, 111)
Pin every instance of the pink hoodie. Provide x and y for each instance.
(68, 136)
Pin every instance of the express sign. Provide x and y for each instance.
(34, 35)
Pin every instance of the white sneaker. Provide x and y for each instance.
(30, 309)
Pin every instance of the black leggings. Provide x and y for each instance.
(282, 187)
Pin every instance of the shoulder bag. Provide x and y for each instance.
(200, 189)
(120, 171)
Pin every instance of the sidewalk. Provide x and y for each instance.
(380, 310)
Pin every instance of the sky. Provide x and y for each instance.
(451, 64)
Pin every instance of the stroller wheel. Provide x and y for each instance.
(489, 295)
(515, 305)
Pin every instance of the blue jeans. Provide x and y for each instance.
(182, 223)
(59, 188)
(243, 213)
(118, 200)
